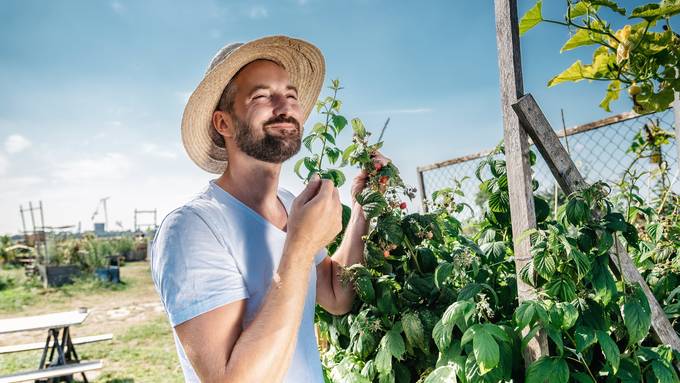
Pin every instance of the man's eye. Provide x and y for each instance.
(294, 97)
(258, 96)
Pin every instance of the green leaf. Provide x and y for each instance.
(574, 73)
(442, 272)
(413, 330)
(563, 288)
(493, 250)
(610, 350)
(486, 351)
(603, 281)
(609, 4)
(629, 371)
(310, 164)
(548, 370)
(364, 289)
(308, 141)
(582, 262)
(395, 343)
(442, 335)
(337, 176)
(585, 337)
(348, 152)
(655, 11)
(544, 264)
(296, 168)
(499, 202)
(556, 337)
(613, 91)
(456, 311)
(579, 9)
(358, 127)
(569, 315)
(497, 332)
(580, 38)
(385, 298)
(531, 18)
(663, 372)
(372, 202)
(469, 334)
(577, 211)
(319, 128)
(339, 122)
(383, 358)
(442, 374)
(637, 316)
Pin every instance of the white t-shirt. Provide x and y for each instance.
(215, 250)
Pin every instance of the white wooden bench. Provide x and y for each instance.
(41, 345)
(52, 372)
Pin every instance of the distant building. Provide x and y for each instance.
(99, 229)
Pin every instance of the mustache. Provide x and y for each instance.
(282, 119)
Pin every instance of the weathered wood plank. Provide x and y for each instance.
(52, 372)
(421, 186)
(570, 179)
(522, 213)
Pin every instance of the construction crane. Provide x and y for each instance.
(102, 202)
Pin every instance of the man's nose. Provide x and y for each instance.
(282, 105)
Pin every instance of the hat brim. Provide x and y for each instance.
(304, 64)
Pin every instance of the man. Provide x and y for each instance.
(240, 267)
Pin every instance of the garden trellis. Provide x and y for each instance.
(522, 210)
(598, 148)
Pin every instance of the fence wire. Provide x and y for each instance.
(601, 153)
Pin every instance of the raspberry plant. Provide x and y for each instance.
(435, 304)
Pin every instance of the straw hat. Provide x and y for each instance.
(303, 62)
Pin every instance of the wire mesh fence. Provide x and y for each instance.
(600, 150)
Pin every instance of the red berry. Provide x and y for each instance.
(377, 166)
(402, 205)
(386, 253)
(383, 180)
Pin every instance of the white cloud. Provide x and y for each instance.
(258, 12)
(109, 166)
(16, 143)
(156, 151)
(118, 7)
(302, 2)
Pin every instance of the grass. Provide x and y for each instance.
(141, 351)
(144, 353)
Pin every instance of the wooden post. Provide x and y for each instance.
(676, 113)
(570, 179)
(520, 191)
(421, 186)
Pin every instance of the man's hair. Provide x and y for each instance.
(226, 105)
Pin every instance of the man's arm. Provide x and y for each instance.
(214, 343)
(331, 294)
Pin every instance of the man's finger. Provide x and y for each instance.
(310, 190)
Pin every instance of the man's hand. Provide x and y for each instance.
(359, 182)
(316, 217)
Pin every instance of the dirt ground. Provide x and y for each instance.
(109, 311)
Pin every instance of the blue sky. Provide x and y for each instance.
(92, 92)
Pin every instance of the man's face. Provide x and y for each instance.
(266, 113)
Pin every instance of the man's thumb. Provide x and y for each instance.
(311, 189)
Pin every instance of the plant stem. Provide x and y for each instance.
(323, 139)
(582, 361)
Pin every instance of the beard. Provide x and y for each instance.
(270, 148)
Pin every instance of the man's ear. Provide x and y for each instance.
(222, 123)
